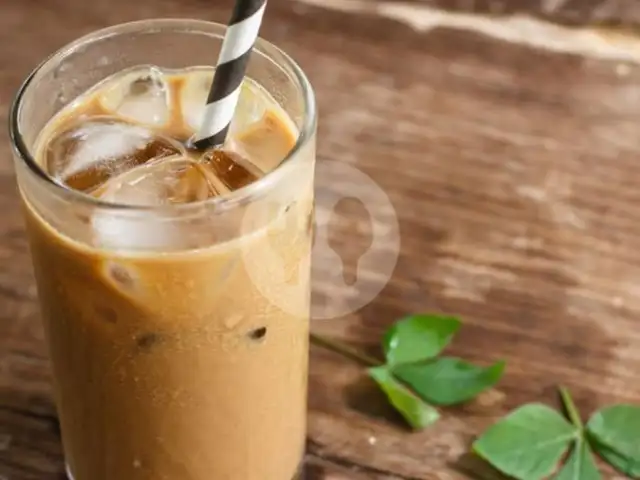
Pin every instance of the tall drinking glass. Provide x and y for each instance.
(178, 334)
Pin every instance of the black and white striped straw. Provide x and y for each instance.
(237, 45)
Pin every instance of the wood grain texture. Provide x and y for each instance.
(513, 170)
(621, 13)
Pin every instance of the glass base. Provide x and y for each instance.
(298, 476)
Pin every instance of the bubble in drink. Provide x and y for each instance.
(251, 105)
(94, 150)
(142, 96)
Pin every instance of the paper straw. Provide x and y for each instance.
(237, 45)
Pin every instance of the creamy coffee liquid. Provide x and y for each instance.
(170, 360)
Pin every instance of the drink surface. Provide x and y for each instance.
(176, 354)
(127, 140)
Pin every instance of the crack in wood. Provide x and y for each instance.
(27, 356)
(50, 419)
(522, 26)
(14, 294)
(26, 468)
(314, 449)
(625, 13)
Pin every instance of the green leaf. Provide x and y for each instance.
(625, 465)
(416, 412)
(581, 464)
(528, 443)
(618, 427)
(448, 381)
(418, 337)
(615, 432)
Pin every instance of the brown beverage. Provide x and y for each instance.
(176, 311)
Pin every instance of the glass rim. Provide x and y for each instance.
(223, 202)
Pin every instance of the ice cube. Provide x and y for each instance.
(125, 231)
(233, 170)
(142, 96)
(251, 105)
(265, 142)
(91, 151)
(166, 181)
(162, 182)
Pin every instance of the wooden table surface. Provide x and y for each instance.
(506, 134)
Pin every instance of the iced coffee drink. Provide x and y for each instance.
(174, 282)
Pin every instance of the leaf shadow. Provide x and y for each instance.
(365, 397)
(313, 472)
(474, 468)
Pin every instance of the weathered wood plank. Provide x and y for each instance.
(513, 170)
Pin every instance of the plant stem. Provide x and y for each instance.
(570, 407)
(344, 350)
